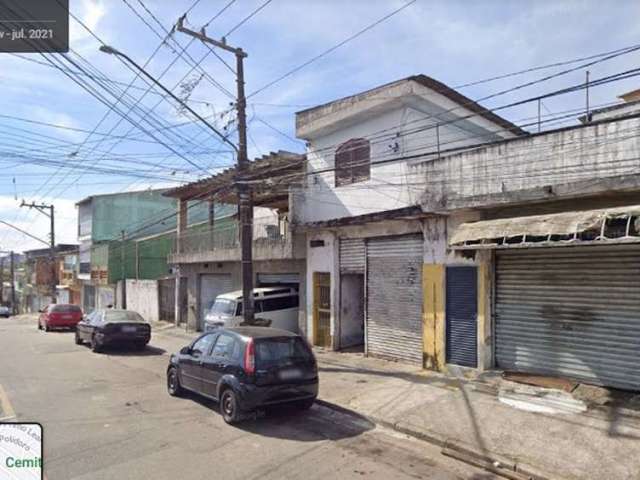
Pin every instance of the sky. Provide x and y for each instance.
(91, 149)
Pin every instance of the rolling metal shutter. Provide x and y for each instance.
(462, 316)
(352, 255)
(570, 311)
(394, 297)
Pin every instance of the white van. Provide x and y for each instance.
(278, 304)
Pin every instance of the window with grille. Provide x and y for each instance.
(353, 162)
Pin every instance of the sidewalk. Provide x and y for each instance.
(488, 416)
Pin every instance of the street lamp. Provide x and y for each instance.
(112, 51)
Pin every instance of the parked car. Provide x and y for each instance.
(245, 368)
(59, 315)
(277, 304)
(109, 327)
(5, 311)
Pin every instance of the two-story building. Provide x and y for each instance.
(498, 250)
(207, 261)
(367, 235)
(104, 220)
(45, 276)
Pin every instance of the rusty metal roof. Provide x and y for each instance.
(270, 176)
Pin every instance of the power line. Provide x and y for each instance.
(335, 47)
(247, 18)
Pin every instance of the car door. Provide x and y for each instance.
(191, 363)
(224, 357)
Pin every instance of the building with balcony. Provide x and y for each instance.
(207, 260)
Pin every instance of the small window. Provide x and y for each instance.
(257, 307)
(203, 344)
(353, 162)
(280, 303)
(226, 347)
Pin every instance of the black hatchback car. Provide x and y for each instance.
(109, 327)
(245, 368)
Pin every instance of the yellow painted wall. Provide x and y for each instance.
(433, 331)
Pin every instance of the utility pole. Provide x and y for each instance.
(13, 286)
(122, 271)
(1, 280)
(245, 201)
(42, 208)
(587, 95)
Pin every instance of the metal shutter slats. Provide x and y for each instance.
(394, 297)
(461, 316)
(571, 311)
(352, 255)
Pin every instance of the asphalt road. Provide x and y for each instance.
(108, 416)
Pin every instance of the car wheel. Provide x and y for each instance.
(95, 344)
(78, 339)
(173, 383)
(305, 404)
(140, 345)
(229, 407)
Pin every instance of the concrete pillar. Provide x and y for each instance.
(182, 223)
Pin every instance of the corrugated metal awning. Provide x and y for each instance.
(604, 225)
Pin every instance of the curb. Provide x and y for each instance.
(489, 461)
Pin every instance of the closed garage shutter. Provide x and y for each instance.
(352, 255)
(394, 297)
(211, 285)
(570, 311)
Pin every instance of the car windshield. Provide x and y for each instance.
(273, 352)
(223, 306)
(117, 316)
(65, 309)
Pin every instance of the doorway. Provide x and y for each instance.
(351, 310)
(462, 316)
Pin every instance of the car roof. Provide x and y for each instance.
(261, 332)
(237, 294)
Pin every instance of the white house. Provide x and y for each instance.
(367, 236)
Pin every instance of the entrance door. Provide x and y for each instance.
(211, 285)
(462, 316)
(322, 309)
(351, 310)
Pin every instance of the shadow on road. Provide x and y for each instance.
(127, 351)
(287, 422)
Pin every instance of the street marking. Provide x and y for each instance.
(7, 409)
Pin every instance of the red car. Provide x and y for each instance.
(59, 315)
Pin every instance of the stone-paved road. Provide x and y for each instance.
(108, 416)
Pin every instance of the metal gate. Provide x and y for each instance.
(352, 255)
(394, 297)
(322, 309)
(462, 316)
(211, 285)
(570, 311)
(167, 299)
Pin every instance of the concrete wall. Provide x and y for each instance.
(142, 297)
(393, 184)
(495, 174)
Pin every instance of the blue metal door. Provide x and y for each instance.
(462, 316)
